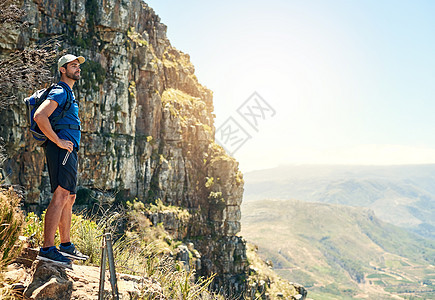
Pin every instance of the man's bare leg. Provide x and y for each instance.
(65, 232)
(53, 214)
(65, 220)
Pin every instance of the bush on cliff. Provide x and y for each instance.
(11, 221)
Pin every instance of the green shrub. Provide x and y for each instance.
(34, 229)
(86, 235)
(11, 222)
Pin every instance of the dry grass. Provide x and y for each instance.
(147, 250)
(11, 222)
(143, 249)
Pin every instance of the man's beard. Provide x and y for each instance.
(74, 76)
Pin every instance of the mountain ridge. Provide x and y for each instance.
(403, 195)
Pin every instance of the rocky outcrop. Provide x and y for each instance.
(45, 280)
(148, 130)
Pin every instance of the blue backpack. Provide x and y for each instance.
(32, 104)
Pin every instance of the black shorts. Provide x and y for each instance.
(61, 174)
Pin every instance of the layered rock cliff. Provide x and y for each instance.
(147, 125)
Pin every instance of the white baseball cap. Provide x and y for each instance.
(69, 58)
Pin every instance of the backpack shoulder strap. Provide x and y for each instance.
(67, 105)
(68, 95)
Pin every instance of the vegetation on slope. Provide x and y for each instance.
(340, 251)
(263, 281)
(11, 221)
(140, 249)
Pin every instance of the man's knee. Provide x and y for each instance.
(64, 195)
(72, 198)
(61, 193)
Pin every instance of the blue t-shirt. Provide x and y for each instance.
(71, 116)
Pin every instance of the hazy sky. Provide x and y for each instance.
(349, 81)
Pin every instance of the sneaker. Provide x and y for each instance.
(53, 255)
(72, 252)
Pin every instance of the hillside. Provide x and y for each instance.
(401, 195)
(339, 252)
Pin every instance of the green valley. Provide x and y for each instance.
(340, 252)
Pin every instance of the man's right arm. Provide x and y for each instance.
(41, 118)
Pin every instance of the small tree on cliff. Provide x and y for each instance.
(24, 68)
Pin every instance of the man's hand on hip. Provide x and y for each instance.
(64, 144)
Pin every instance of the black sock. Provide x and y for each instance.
(45, 248)
(66, 244)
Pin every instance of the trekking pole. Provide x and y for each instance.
(113, 283)
(102, 269)
(107, 252)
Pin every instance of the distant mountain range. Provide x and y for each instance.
(401, 195)
(340, 252)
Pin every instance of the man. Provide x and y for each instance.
(61, 154)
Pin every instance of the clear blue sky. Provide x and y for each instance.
(351, 81)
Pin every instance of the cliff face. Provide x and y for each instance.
(147, 124)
